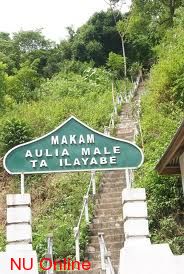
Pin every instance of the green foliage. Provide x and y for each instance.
(22, 86)
(15, 132)
(42, 84)
(88, 97)
(80, 90)
(167, 76)
(134, 70)
(28, 41)
(116, 64)
(94, 40)
(2, 84)
(2, 239)
(136, 30)
(58, 212)
(164, 193)
(162, 113)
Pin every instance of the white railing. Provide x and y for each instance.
(106, 264)
(85, 212)
(49, 253)
(112, 120)
(129, 177)
(119, 99)
(128, 97)
(138, 123)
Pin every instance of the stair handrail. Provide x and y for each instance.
(50, 253)
(129, 173)
(129, 177)
(106, 263)
(112, 120)
(84, 211)
(131, 94)
(127, 98)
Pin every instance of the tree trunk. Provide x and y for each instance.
(122, 40)
(124, 55)
(172, 11)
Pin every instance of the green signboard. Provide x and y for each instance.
(73, 146)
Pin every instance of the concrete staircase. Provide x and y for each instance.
(108, 210)
(108, 217)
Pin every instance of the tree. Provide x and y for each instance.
(115, 63)
(32, 46)
(28, 41)
(158, 15)
(94, 40)
(71, 32)
(5, 36)
(113, 6)
(15, 132)
(8, 53)
(2, 83)
(171, 6)
(22, 86)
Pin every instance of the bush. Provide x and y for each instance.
(15, 132)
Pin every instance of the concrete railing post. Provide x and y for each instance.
(18, 229)
(135, 215)
(127, 177)
(102, 251)
(18, 235)
(106, 131)
(50, 253)
(77, 244)
(93, 182)
(138, 254)
(86, 209)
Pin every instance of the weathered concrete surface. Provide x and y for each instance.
(5, 262)
(150, 259)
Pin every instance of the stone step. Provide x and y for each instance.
(102, 201)
(93, 271)
(114, 194)
(125, 135)
(126, 139)
(126, 122)
(122, 131)
(108, 224)
(111, 190)
(115, 180)
(109, 205)
(104, 212)
(125, 127)
(92, 248)
(109, 200)
(115, 183)
(113, 174)
(108, 238)
(114, 218)
(97, 264)
(95, 256)
(126, 130)
(108, 231)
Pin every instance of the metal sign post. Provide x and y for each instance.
(22, 183)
